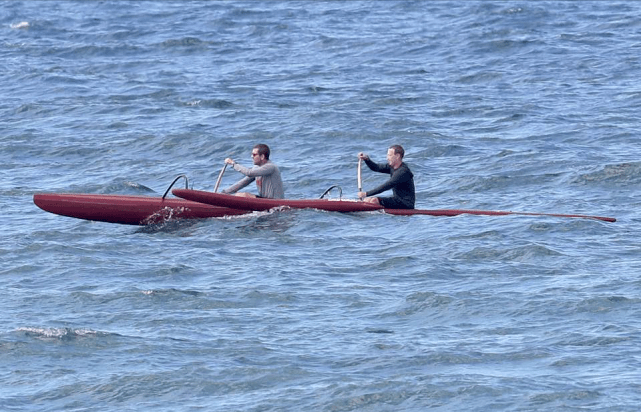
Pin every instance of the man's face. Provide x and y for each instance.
(257, 158)
(392, 158)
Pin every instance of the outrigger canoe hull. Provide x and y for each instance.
(128, 210)
(262, 204)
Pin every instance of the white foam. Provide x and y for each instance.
(21, 25)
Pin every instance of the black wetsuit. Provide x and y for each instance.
(401, 182)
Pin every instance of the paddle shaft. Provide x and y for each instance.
(220, 177)
(358, 175)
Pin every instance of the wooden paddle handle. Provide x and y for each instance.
(220, 177)
(358, 176)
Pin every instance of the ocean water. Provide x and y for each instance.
(500, 105)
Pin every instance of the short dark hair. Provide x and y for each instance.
(398, 149)
(263, 149)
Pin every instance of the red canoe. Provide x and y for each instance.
(129, 210)
(261, 204)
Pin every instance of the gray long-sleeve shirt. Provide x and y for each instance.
(267, 177)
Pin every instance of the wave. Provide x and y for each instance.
(20, 25)
(621, 174)
(65, 334)
(529, 253)
(606, 304)
(209, 103)
(172, 292)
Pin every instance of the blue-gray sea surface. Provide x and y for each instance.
(500, 105)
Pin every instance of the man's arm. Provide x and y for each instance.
(239, 185)
(393, 181)
(377, 167)
(264, 170)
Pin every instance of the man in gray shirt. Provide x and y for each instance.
(264, 172)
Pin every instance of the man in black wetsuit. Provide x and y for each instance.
(401, 181)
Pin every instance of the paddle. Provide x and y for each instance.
(220, 177)
(358, 176)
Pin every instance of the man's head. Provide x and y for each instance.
(260, 154)
(395, 155)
